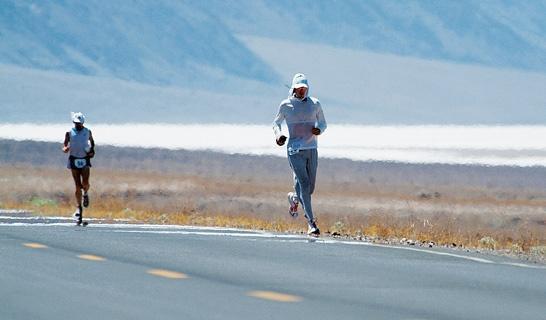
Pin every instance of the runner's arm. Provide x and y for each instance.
(91, 152)
(277, 129)
(66, 147)
(321, 121)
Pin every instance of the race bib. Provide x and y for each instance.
(80, 163)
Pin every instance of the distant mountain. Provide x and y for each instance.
(160, 41)
(500, 33)
(194, 42)
(354, 86)
(373, 61)
(358, 86)
(38, 96)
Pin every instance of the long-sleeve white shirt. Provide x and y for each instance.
(301, 117)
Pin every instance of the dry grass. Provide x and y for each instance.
(449, 216)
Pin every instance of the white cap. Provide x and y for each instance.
(77, 117)
(299, 81)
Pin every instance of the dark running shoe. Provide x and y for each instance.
(86, 200)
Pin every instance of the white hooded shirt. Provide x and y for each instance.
(301, 116)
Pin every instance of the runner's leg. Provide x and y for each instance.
(76, 174)
(296, 183)
(297, 187)
(86, 172)
(85, 183)
(312, 165)
(298, 162)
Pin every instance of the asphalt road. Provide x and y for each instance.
(50, 269)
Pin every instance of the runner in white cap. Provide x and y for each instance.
(305, 121)
(79, 142)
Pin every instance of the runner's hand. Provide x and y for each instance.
(91, 153)
(66, 149)
(315, 131)
(281, 140)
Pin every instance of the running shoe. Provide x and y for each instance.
(293, 201)
(85, 200)
(78, 215)
(313, 230)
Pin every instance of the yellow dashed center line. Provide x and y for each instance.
(267, 295)
(91, 257)
(34, 245)
(274, 296)
(167, 274)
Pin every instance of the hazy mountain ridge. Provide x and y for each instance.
(160, 42)
(177, 42)
(358, 86)
(370, 62)
(493, 33)
(31, 95)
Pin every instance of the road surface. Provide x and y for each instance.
(50, 269)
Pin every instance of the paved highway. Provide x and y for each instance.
(50, 269)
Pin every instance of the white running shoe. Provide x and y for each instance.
(78, 215)
(313, 230)
(293, 201)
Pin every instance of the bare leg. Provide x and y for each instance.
(85, 179)
(76, 174)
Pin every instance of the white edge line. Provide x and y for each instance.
(522, 265)
(481, 260)
(114, 225)
(298, 238)
(420, 250)
(58, 218)
(6, 211)
(203, 233)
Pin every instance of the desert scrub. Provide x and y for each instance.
(39, 202)
(461, 216)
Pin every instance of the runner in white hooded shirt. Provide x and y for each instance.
(305, 121)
